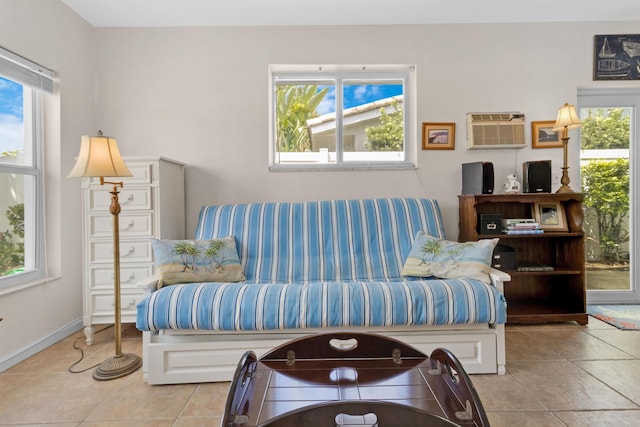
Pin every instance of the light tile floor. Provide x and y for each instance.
(557, 375)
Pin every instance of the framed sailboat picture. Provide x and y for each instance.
(616, 57)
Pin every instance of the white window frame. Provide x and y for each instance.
(35, 80)
(339, 73)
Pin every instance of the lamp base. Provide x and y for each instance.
(117, 367)
(565, 189)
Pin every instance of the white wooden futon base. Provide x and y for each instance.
(170, 358)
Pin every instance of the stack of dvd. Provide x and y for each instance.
(521, 226)
(534, 267)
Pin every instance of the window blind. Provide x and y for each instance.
(17, 68)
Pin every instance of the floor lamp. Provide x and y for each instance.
(567, 119)
(99, 157)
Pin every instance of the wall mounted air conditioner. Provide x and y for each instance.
(495, 130)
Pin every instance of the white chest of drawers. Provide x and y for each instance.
(152, 203)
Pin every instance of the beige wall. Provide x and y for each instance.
(51, 34)
(199, 95)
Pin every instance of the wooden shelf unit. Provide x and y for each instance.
(545, 296)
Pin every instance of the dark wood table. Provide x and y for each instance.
(351, 379)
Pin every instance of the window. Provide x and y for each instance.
(21, 194)
(608, 172)
(342, 117)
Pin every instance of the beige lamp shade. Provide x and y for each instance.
(567, 118)
(99, 157)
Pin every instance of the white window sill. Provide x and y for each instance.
(343, 167)
(22, 286)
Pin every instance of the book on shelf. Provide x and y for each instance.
(528, 226)
(523, 231)
(515, 221)
(520, 226)
(534, 267)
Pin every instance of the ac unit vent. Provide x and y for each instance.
(495, 130)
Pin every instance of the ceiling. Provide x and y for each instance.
(172, 13)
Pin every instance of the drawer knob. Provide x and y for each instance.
(131, 277)
(129, 252)
(132, 303)
(129, 225)
(129, 199)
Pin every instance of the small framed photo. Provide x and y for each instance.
(438, 136)
(542, 135)
(550, 216)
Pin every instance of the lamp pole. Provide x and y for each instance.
(565, 167)
(120, 364)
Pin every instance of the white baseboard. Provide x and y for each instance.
(40, 345)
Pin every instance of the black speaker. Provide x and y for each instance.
(477, 178)
(536, 176)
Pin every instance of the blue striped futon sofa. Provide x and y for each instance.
(318, 267)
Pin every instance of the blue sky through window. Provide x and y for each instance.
(11, 115)
(357, 95)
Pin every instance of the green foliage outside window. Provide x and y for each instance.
(295, 105)
(606, 182)
(12, 242)
(390, 135)
(605, 129)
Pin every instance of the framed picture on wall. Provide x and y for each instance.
(543, 136)
(438, 136)
(550, 216)
(614, 57)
